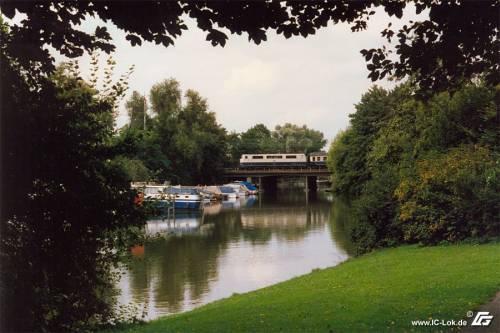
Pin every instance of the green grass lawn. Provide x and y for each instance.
(378, 292)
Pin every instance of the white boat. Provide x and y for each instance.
(239, 189)
(184, 197)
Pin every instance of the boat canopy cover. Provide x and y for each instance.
(249, 186)
(226, 189)
(175, 190)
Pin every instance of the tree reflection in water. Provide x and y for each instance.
(232, 247)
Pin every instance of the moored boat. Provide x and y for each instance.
(184, 197)
(238, 188)
(152, 193)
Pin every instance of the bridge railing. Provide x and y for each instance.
(271, 170)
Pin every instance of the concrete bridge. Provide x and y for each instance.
(267, 177)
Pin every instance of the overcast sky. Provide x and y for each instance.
(313, 81)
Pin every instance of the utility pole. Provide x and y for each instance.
(144, 113)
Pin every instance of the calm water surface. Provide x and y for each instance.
(233, 247)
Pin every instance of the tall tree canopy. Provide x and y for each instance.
(137, 110)
(291, 138)
(257, 139)
(201, 142)
(166, 97)
(180, 143)
(457, 41)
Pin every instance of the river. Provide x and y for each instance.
(232, 247)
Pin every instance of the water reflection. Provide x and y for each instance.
(231, 247)
(180, 223)
(340, 218)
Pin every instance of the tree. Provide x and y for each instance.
(136, 109)
(200, 142)
(420, 171)
(288, 138)
(371, 113)
(182, 144)
(257, 140)
(56, 257)
(295, 139)
(338, 163)
(137, 152)
(134, 168)
(234, 150)
(165, 98)
(440, 51)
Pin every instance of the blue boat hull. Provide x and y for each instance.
(179, 204)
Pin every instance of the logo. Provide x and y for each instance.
(482, 319)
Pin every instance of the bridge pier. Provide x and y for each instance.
(311, 185)
(267, 178)
(269, 183)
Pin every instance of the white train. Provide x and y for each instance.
(282, 160)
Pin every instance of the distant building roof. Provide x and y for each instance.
(318, 153)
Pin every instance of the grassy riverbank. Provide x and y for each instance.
(381, 291)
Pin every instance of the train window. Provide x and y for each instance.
(291, 156)
(274, 156)
(257, 157)
(324, 158)
(246, 157)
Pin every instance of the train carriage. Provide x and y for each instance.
(317, 159)
(273, 160)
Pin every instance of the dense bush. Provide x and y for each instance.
(453, 196)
